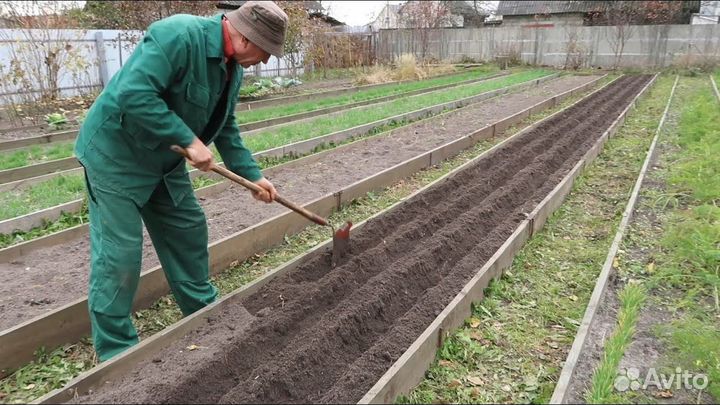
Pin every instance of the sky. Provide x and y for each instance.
(352, 13)
(355, 12)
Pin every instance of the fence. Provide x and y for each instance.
(90, 59)
(655, 46)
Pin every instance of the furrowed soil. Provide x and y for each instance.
(319, 334)
(48, 278)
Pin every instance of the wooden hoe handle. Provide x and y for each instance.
(254, 187)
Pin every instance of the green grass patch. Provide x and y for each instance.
(312, 105)
(43, 195)
(66, 221)
(164, 312)
(271, 138)
(631, 300)
(35, 154)
(513, 347)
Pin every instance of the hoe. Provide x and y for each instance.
(341, 237)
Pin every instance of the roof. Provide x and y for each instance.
(548, 7)
(466, 8)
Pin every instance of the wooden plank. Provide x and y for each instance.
(24, 172)
(715, 88)
(38, 140)
(19, 250)
(38, 218)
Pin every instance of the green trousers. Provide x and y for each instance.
(180, 236)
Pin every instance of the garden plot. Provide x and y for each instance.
(283, 106)
(304, 128)
(326, 335)
(37, 277)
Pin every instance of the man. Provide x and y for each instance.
(179, 87)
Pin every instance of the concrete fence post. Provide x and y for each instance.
(102, 62)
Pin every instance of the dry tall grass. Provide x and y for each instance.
(406, 67)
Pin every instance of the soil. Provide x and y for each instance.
(58, 275)
(327, 335)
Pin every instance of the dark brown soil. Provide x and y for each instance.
(57, 275)
(322, 335)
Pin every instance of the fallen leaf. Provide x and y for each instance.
(664, 394)
(616, 263)
(474, 322)
(573, 298)
(651, 267)
(192, 347)
(454, 383)
(475, 380)
(446, 363)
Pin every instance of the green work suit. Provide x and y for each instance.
(173, 88)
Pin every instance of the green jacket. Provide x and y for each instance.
(165, 94)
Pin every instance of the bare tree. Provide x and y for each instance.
(575, 53)
(302, 28)
(42, 55)
(619, 16)
(421, 17)
(138, 15)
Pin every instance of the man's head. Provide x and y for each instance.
(257, 30)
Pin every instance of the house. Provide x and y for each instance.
(472, 13)
(540, 14)
(457, 14)
(387, 19)
(709, 13)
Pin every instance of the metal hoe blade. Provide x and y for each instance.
(341, 243)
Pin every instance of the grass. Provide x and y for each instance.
(164, 312)
(672, 247)
(515, 343)
(689, 249)
(295, 108)
(35, 154)
(631, 300)
(49, 193)
(325, 125)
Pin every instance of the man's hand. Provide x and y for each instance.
(200, 156)
(269, 194)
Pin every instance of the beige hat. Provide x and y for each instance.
(263, 23)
